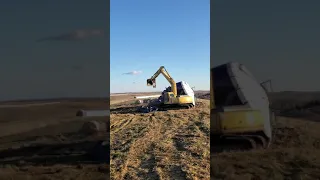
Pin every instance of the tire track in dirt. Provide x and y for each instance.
(122, 125)
(204, 123)
(154, 152)
(169, 160)
(149, 151)
(137, 149)
(122, 139)
(118, 122)
(147, 166)
(193, 146)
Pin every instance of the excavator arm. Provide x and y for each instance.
(164, 72)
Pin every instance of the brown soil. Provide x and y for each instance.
(160, 145)
(203, 95)
(47, 142)
(295, 151)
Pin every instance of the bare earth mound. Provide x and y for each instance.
(160, 145)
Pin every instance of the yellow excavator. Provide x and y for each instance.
(240, 113)
(178, 95)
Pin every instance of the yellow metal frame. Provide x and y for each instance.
(177, 100)
(165, 73)
(237, 121)
(170, 97)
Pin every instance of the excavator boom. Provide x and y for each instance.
(178, 96)
(164, 72)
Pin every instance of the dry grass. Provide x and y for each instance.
(44, 127)
(87, 172)
(160, 145)
(164, 145)
(294, 154)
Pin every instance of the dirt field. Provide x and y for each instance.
(160, 145)
(49, 142)
(295, 152)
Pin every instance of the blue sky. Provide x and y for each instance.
(31, 69)
(145, 35)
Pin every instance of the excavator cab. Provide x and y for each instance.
(169, 98)
(240, 114)
(151, 82)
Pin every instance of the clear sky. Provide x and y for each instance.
(73, 64)
(276, 40)
(148, 34)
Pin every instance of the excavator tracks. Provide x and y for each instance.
(175, 107)
(228, 143)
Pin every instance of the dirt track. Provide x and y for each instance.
(160, 145)
(49, 142)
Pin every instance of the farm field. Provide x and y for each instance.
(48, 142)
(43, 140)
(170, 144)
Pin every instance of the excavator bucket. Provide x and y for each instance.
(151, 82)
